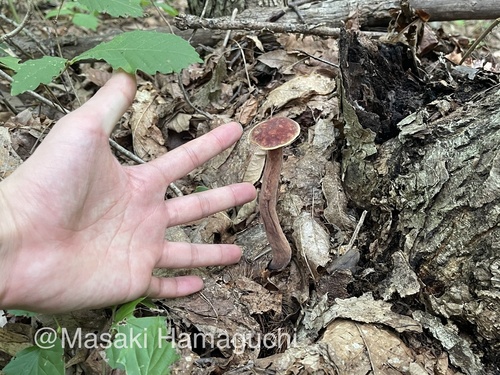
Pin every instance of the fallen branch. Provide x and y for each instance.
(185, 21)
(368, 13)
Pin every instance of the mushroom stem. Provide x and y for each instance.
(282, 252)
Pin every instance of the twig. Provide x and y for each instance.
(160, 13)
(319, 59)
(228, 34)
(138, 160)
(186, 97)
(356, 231)
(295, 7)
(185, 21)
(20, 26)
(374, 369)
(28, 33)
(126, 152)
(478, 40)
(245, 64)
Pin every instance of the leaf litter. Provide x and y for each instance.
(339, 322)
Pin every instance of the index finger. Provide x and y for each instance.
(182, 160)
(107, 106)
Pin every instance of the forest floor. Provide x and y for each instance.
(332, 310)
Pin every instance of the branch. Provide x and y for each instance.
(185, 21)
(19, 27)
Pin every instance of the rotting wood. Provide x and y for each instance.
(333, 12)
(436, 185)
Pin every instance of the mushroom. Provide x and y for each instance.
(272, 135)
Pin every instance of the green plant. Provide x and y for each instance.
(78, 13)
(137, 345)
(148, 51)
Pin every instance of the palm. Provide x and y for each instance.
(93, 230)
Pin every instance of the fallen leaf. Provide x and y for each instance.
(179, 123)
(363, 309)
(336, 209)
(247, 111)
(459, 350)
(147, 138)
(300, 87)
(255, 166)
(278, 59)
(256, 298)
(9, 160)
(312, 240)
(402, 279)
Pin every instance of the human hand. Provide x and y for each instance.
(78, 230)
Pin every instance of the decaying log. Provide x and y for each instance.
(333, 12)
(432, 187)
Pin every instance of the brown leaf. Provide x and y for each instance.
(147, 138)
(336, 210)
(9, 160)
(300, 87)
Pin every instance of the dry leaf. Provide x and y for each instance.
(255, 166)
(147, 138)
(180, 123)
(402, 279)
(205, 230)
(300, 87)
(257, 42)
(96, 76)
(336, 210)
(312, 241)
(9, 160)
(364, 309)
(247, 111)
(324, 134)
(365, 348)
(256, 298)
(278, 59)
(245, 212)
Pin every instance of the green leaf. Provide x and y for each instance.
(140, 347)
(127, 310)
(34, 72)
(115, 8)
(65, 11)
(201, 188)
(148, 51)
(89, 21)
(37, 361)
(29, 314)
(10, 62)
(168, 9)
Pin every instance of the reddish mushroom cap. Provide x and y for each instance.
(274, 133)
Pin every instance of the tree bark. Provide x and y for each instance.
(333, 12)
(432, 188)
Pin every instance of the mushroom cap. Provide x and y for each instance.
(274, 133)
